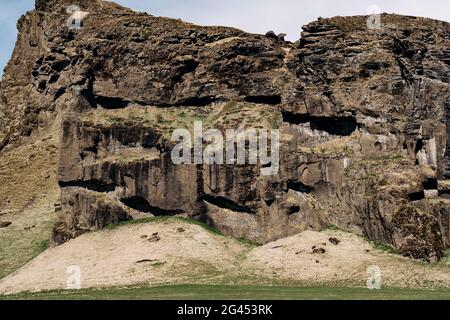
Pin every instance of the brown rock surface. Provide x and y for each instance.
(364, 117)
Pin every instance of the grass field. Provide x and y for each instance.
(28, 193)
(204, 292)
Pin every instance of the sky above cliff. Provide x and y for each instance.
(258, 16)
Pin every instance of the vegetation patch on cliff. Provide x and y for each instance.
(222, 116)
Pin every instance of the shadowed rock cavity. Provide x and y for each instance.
(142, 205)
(337, 126)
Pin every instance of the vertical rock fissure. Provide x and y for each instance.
(446, 162)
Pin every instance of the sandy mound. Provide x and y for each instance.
(28, 193)
(344, 263)
(174, 251)
(151, 253)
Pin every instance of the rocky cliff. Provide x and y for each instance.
(364, 117)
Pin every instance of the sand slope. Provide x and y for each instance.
(174, 251)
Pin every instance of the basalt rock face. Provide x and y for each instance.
(363, 116)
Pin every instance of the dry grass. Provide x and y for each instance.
(231, 115)
(28, 193)
(124, 256)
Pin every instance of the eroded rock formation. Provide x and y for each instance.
(364, 118)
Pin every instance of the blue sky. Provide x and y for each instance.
(257, 16)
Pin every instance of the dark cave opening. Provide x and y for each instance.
(299, 187)
(430, 184)
(111, 103)
(197, 101)
(93, 185)
(416, 196)
(337, 126)
(142, 205)
(419, 145)
(293, 210)
(88, 151)
(60, 65)
(225, 203)
(271, 100)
